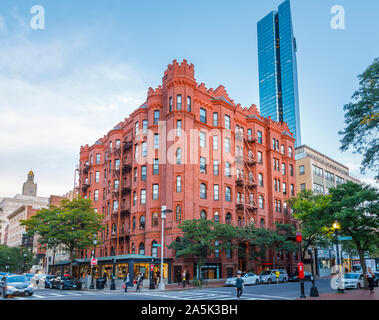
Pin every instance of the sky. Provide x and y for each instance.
(68, 84)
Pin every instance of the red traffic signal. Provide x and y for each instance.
(298, 237)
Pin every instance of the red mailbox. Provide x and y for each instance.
(300, 267)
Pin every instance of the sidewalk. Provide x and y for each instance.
(169, 287)
(350, 294)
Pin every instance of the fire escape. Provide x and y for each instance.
(121, 193)
(246, 181)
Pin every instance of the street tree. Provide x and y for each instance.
(362, 120)
(198, 240)
(356, 207)
(309, 210)
(71, 226)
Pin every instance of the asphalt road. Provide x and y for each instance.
(282, 291)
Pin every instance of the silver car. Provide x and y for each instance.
(269, 276)
(15, 285)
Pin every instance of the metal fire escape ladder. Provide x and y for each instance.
(247, 179)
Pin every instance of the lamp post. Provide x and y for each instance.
(93, 256)
(314, 291)
(336, 227)
(299, 238)
(163, 215)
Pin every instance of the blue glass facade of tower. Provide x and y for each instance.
(278, 87)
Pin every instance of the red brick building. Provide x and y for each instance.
(200, 154)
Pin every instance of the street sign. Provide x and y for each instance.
(157, 245)
(93, 262)
(345, 238)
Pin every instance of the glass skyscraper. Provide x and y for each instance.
(278, 88)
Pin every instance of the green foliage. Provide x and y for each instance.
(199, 236)
(71, 226)
(310, 212)
(362, 120)
(20, 259)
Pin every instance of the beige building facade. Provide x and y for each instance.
(317, 172)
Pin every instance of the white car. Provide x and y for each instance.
(353, 280)
(248, 279)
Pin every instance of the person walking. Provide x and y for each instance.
(277, 274)
(370, 276)
(239, 284)
(138, 282)
(126, 281)
(184, 279)
(188, 277)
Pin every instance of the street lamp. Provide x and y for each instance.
(93, 256)
(299, 238)
(314, 291)
(163, 215)
(336, 227)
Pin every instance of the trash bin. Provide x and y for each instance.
(100, 283)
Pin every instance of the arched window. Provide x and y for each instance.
(154, 219)
(203, 191)
(203, 215)
(154, 249)
(262, 223)
(133, 248)
(113, 252)
(178, 156)
(134, 223)
(216, 217)
(141, 248)
(114, 229)
(142, 222)
(178, 213)
(239, 221)
(228, 218)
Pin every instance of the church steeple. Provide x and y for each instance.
(29, 188)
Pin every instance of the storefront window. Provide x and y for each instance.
(121, 270)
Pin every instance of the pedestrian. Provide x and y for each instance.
(277, 274)
(126, 281)
(239, 284)
(138, 282)
(370, 276)
(184, 279)
(188, 277)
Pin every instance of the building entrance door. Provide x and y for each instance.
(177, 273)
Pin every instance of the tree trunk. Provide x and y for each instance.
(363, 265)
(71, 261)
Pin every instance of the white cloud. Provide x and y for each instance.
(50, 107)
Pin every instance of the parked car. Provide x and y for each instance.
(352, 280)
(15, 285)
(295, 276)
(65, 283)
(269, 276)
(46, 280)
(248, 279)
